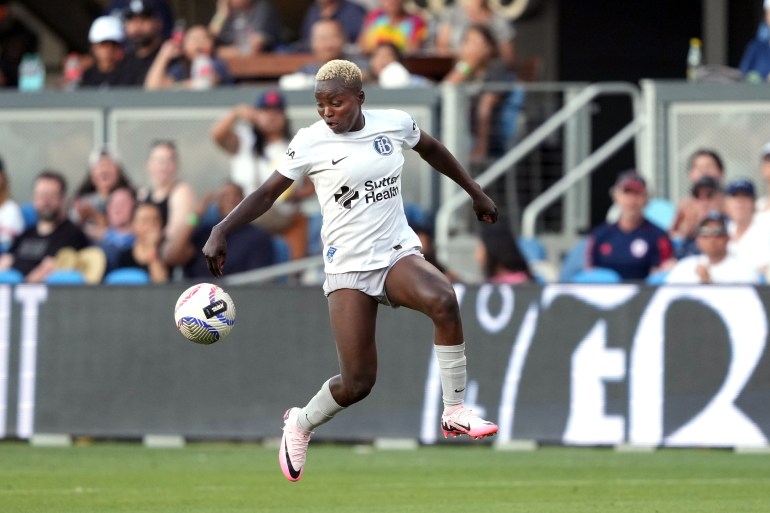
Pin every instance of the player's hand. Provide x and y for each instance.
(485, 208)
(215, 251)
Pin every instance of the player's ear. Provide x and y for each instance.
(361, 97)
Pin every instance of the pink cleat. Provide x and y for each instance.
(293, 451)
(464, 422)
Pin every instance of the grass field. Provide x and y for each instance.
(235, 478)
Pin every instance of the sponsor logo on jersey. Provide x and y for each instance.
(382, 145)
(345, 197)
(382, 189)
(330, 254)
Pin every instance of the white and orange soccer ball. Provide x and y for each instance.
(204, 313)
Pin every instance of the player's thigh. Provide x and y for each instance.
(353, 317)
(417, 284)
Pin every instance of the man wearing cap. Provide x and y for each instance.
(633, 246)
(749, 231)
(715, 264)
(106, 37)
(144, 33)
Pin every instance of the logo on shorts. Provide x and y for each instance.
(330, 254)
(345, 197)
(382, 145)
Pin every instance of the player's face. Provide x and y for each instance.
(338, 106)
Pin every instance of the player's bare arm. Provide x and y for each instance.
(441, 159)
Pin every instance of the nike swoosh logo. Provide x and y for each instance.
(458, 391)
(293, 473)
(335, 162)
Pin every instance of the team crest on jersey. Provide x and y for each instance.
(382, 145)
(330, 254)
(346, 196)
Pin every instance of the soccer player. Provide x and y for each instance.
(354, 158)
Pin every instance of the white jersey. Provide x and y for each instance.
(357, 178)
(730, 270)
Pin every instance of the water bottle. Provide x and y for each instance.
(31, 73)
(202, 74)
(694, 58)
(72, 72)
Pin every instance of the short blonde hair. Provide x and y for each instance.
(348, 71)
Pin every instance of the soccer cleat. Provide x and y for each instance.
(464, 422)
(293, 451)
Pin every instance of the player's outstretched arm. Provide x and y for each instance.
(441, 159)
(252, 206)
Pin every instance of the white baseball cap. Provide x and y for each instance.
(767, 4)
(106, 28)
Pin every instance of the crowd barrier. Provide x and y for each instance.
(567, 364)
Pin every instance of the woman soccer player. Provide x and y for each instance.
(354, 158)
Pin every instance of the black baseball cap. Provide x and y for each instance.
(146, 8)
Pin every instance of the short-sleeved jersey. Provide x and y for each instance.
(357, 178)
(632, 254)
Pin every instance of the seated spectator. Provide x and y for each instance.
(458, 18)
(690, 211)
(478, 62)
(390, 22)
(707, 195)
(119, 234)
(257, 139)
(248, 247)
(11, 218)
(350, 15)
(89, 206)
(715, 264)
(145, 253)
(245, 27)
(763, 203)
(174, 65)
(633, 246)
(386, 69)
(16, 40)
(33, 252)
(118, 7)
(749, 230)
(755, 61)
(500, 258)
(175, 200)
(144, 33)
(106, 37)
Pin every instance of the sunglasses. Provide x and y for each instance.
(712, 232)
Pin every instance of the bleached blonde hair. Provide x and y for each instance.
(348, 71)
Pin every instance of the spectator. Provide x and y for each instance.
(749, 230)
(174, 64)
(690, 211)
(146, 252)
(763, 203)
(500, 258)
(144, 33)
(633, 246)
(715, 264)
(106, 37)
(118, 7)
(350, 15)
(248, 247)
(755, 62)
(175, 201)
(245, 27)
(457, 19)
(33, 252)
(257, 139)
(478, 62)
(391, 22)
(89, 206)
(387, 70)
(119, 234)
(16, 39)
(707, 195)
(11, 218)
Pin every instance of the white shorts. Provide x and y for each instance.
(371, 283)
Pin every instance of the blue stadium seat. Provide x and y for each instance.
(658, 278)
(29, 214)
(11, 276)
(596, 275)
(281, 250)
(574, 261)
(127, 276)
(65, 277)
(532, 249)
(660, 212)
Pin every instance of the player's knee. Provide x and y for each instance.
(443, 307)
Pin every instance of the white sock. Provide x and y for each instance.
(319, 410)
(451, 362)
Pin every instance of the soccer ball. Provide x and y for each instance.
(204, 313)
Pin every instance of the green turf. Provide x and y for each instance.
(225, 478)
